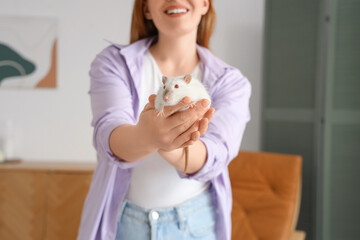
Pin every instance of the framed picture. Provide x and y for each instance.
(28, 52)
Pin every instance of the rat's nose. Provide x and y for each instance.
(166, 98)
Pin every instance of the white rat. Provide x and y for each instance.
(175, 89)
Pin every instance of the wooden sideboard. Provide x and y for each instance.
(42, 200)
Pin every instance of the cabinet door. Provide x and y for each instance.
(340, 211)
(66, 193)
(289, 91)
(22, 204)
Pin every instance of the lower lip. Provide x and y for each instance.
(174, 15)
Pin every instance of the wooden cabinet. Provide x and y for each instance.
(41, 200)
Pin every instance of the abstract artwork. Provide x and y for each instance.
(28, 52)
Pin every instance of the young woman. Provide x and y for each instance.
(139, 190)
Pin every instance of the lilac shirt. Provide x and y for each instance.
(115, 83)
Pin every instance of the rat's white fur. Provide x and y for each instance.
(194, 89)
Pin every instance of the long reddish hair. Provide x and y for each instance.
(142, 27)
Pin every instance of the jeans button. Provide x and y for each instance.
(154, 215)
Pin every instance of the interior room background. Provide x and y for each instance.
(54, 124)
(300, 57)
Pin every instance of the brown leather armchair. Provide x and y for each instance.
(266, 196)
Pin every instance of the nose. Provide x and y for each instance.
(166, 98)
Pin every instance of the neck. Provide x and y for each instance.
(175, 55)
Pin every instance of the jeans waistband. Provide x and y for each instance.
(167, 214)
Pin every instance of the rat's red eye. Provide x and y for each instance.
(164, 86)
(176, 86)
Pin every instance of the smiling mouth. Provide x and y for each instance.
(176, 11)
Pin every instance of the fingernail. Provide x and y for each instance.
(186, 100)
(205, 103)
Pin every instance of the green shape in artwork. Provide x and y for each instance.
(13, 64)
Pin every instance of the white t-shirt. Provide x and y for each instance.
(155, 183)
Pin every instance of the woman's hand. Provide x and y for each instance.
(202, 127)
(174, 129)
(197, 148)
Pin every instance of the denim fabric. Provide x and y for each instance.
(194, 219)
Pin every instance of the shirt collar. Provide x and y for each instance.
(214, 64)
(137, 49)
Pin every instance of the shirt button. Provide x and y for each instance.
(155, 215)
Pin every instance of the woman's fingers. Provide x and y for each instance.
(201, 107)
(190, 134)
(151, 99)
(184, 119)
(176, 128)
(194, 137)
(148, 107)
(204, 123)
(193, 134)
(209, 114)
(188, 143)
(170, 110)
(203, 126)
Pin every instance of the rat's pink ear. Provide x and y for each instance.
(187, 78)
(164, 78)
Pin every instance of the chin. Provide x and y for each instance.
(179, 31)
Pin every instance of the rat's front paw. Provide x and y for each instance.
(160, 113)
(192, 105)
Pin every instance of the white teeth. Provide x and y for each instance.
(177, 10)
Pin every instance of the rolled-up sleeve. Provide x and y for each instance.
(111, 102)
(230, 98)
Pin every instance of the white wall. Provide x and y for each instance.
(55, 124)
(238, 39)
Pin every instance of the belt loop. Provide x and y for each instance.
(181, 218)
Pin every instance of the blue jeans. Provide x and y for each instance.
(194, 219)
